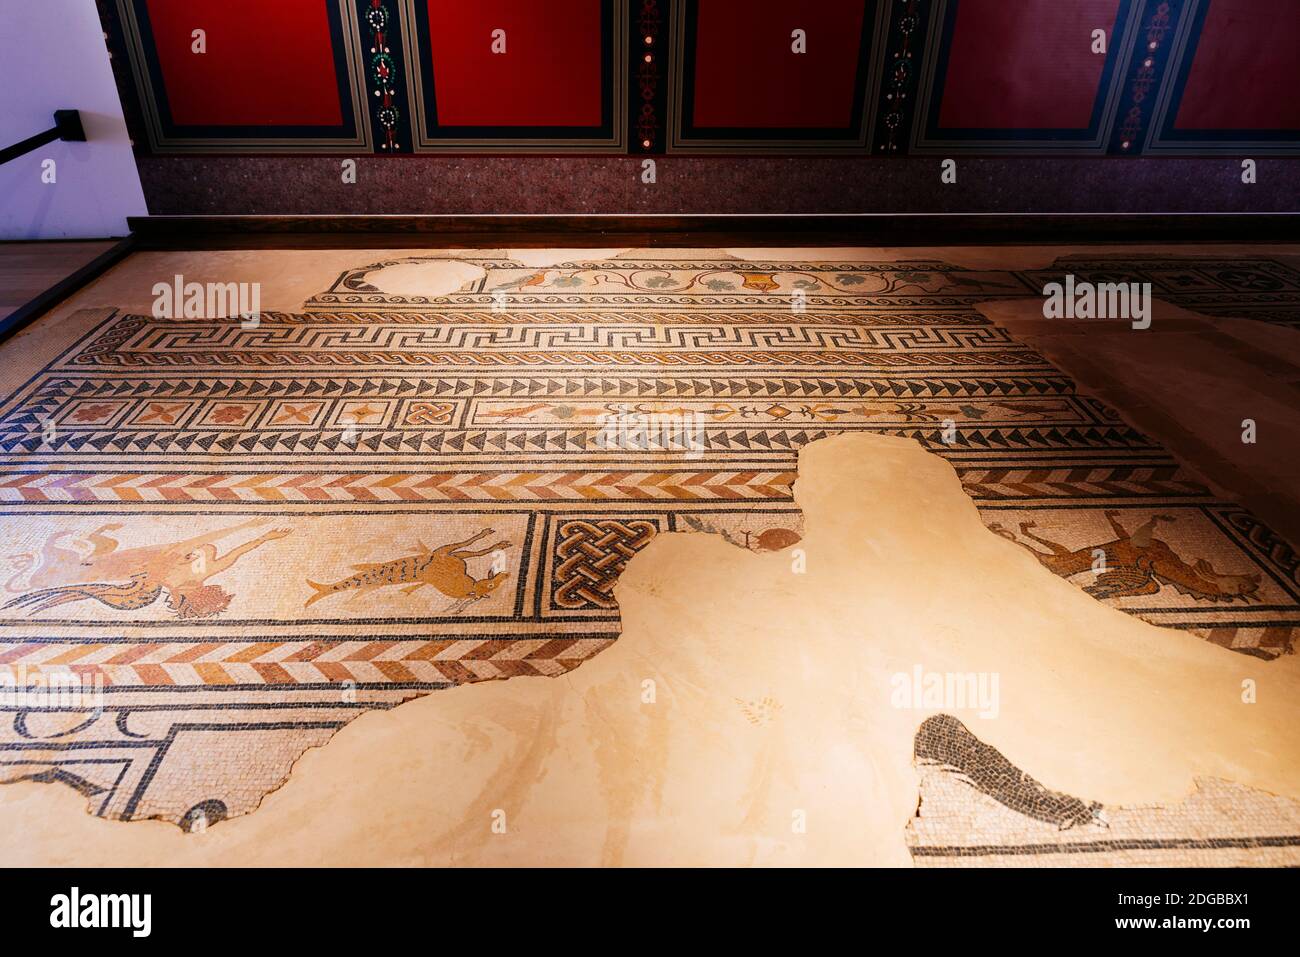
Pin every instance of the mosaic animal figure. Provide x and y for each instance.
(42, 568)
(444, 568)
(945, 742)
(134, 578)
(1137, 564)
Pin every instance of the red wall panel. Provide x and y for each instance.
(550, 74)
(1025, 64)
(1246, 71)
(746, 75)
(266, 63)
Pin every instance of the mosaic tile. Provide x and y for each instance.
(977, 809)
(251, 536)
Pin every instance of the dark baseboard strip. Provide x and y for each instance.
(35, 308)
(870, 229)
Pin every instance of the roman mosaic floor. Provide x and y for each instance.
(432, 469)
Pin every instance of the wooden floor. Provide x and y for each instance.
(28, 269)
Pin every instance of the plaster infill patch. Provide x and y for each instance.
(541, 258)
(428, 278)
(1192, 382)
(746, 715)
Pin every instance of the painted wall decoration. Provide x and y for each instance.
(1233, 83)
(770, 74)
(1029, 75)
(247, 75)
(729, 77)
(516, 75)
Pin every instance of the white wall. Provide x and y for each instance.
(53, 57)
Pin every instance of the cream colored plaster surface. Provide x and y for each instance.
(440, 277)
(540, 258)
(743, 697)
(1190, 381)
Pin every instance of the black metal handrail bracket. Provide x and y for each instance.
(67, 126)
